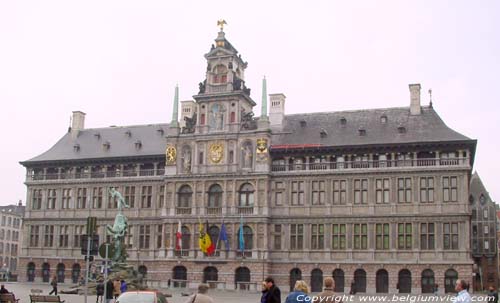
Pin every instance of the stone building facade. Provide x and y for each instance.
(376, 196)
(11, 223)
(484, 235)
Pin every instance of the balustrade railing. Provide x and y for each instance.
(369, 164)
(95, 175)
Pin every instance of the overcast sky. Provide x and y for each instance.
(119, 61)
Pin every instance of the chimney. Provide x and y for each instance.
(277, 109)
(77, 123)
(415, 99)
(20, 203)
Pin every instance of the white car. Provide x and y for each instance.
(142, 296)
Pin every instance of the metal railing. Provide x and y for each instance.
(95, 175)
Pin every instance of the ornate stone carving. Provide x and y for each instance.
(262, 151)
(247, 121)
(171, 155)
(190, 124)
(216, 152)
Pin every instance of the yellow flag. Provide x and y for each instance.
(204, 241)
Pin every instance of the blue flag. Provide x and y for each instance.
(223, 236)
(241, 241)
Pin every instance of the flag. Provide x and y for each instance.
(178, 235)
(211, 245)
(241, 242)
(223, 236)
(205, 243)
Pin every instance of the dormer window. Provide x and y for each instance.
(138, 144)
(128, 133)
(362, 132)
(303, 123)
(97, 135)
(343, 121)
(220, 74)
(383, 119)
(323, 133)
(106, 145)
(401, 129)
(160, 131)
(76, 147)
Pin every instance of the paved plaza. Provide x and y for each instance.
(22, 291)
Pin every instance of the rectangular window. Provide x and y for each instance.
(200, 155)
(279, 192)
(97, 197)
(112, 201)
(486, 230)
(277, 236)
(339, 191)
(51, 198)
(450, 236)
(130, 196)
(360, 236)
(404, 236)
(427, 236)
(338, 236)
(161, 196)
(66, 198)
(382, 188)
(450, 189)
(297, 236)
(79, 232)
(360, 191)
(297, 192)
(317, 236)
(146, 196)
(427, 189)
(144, 233)
(63, 236)
(36, 198)
(486, 245)
(404, 190)
(81, 199)
(382, 236)
(34, 235)
(129, 237)
(318, 192)
(48, 236)
(159, 234)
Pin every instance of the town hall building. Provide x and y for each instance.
(373, 197)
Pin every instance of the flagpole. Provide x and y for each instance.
(218, 238)
(240, 236)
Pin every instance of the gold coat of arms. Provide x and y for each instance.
(171, 155)
(216, 152)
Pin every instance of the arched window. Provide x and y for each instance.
(143, 270)
(316, 280)
(179, 276)
(75, 273)
(46, 272)
(450, 278)
(427, 281)
(242, 274)
(247, 238)
(30, 273)
(360, 280)
(215, 196)
(295, 275)
(185, 196)
(382, 281)
(338, 277)
(210, 273)
(60, 272)
(404, 281)
(220, 74)
(246, 195)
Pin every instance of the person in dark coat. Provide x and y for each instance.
(99, 290)
(492, 295)
(264, 291)
(53, 283)
(109, 291)
(273, 292)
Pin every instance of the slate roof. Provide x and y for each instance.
(477, 188)
(306, 128)
(121, 144)
(298, 129)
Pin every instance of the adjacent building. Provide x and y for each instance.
(376, 196)
(11, 223)
(484, 235)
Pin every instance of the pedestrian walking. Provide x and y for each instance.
(201, 296)
(273, 292)
(328, 294)
(53, 283)
(299, 294)
(99, 290)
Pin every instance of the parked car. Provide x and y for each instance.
(142, 296)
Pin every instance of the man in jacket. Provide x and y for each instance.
(109, 291)
(201, 296)
(328, 295)
(274, 293)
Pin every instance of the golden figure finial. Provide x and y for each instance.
(221, 24)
